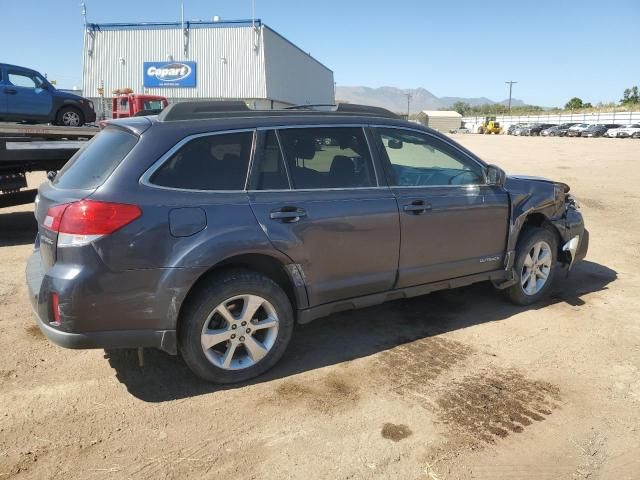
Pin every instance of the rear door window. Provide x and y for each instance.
(93, 163)
(208, 162)
(332, 157)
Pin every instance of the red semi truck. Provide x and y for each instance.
(127, 104)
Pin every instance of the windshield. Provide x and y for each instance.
(153, 105)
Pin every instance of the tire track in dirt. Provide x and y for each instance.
(488, 404)
(496, 403)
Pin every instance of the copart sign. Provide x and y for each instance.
(169, 74)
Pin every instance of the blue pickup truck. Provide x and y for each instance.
(26, 96)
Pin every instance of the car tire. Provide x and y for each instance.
(204, 321)
(534, 272)
(70, 117)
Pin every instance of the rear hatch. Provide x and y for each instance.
(79, 178)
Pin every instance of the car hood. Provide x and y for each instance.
(529, 178)
(69, 96)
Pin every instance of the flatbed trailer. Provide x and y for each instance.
(33, 148)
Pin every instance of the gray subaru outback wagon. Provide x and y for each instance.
(212, 229)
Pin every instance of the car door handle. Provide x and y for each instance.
(288, 214)
(417, 207)
(10, 91)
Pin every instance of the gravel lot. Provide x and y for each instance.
(456, 384)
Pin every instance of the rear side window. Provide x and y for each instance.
(320, 158)
(93, 163)
(211, 162)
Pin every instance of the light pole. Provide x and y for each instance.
(408, 95)
(510, 82)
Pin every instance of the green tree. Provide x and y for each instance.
(461, 107)
(574, 104)
(630, 96)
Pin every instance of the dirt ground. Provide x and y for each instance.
(456, 384)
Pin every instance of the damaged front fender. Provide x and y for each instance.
(539, 201)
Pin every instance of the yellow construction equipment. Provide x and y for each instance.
(490, 126)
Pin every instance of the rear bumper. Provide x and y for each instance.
(162, 339)
(42, 311)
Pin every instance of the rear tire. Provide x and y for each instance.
(223, 335)
(70, 117)
(535, 266)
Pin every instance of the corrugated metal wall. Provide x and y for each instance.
(293, 75)
(230, 63)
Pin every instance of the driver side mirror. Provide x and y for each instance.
(495, 176)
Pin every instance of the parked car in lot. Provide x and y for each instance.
(535, 129)
(512, 128)
(577, 130)
(599, 129)
(460, 130)
(624, 131)
(557, 130)
(26, 96)
(517, 131)
(212, 229)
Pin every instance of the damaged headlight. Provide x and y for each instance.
(573, 202)
(561, 191)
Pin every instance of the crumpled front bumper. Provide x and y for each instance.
(576, 248)
(575, 236)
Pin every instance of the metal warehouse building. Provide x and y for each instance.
(242, 60)
(442, 120)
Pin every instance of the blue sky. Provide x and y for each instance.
(554, 49)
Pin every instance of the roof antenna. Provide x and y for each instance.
(253, 14)
(84, 14)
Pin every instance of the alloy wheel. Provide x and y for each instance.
(239, 332)
(536, 268)
(71, 119)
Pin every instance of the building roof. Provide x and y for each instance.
(441, 113)
(168, 25)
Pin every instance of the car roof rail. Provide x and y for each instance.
(310, 106)
(365, 110)
(200, 109)
(210, 109)
(351, 108)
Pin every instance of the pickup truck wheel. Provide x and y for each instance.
(70, 117)
(535, 266)
(236, 327)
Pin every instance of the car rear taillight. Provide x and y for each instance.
(80, 223)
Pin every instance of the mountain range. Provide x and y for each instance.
(395, 99)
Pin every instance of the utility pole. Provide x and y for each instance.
(510, 82)
(408, 95)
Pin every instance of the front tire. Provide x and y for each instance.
(535, 266)
(70, 117)
(235, 327)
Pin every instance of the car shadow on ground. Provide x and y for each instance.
(17, 228)
(350, 335)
